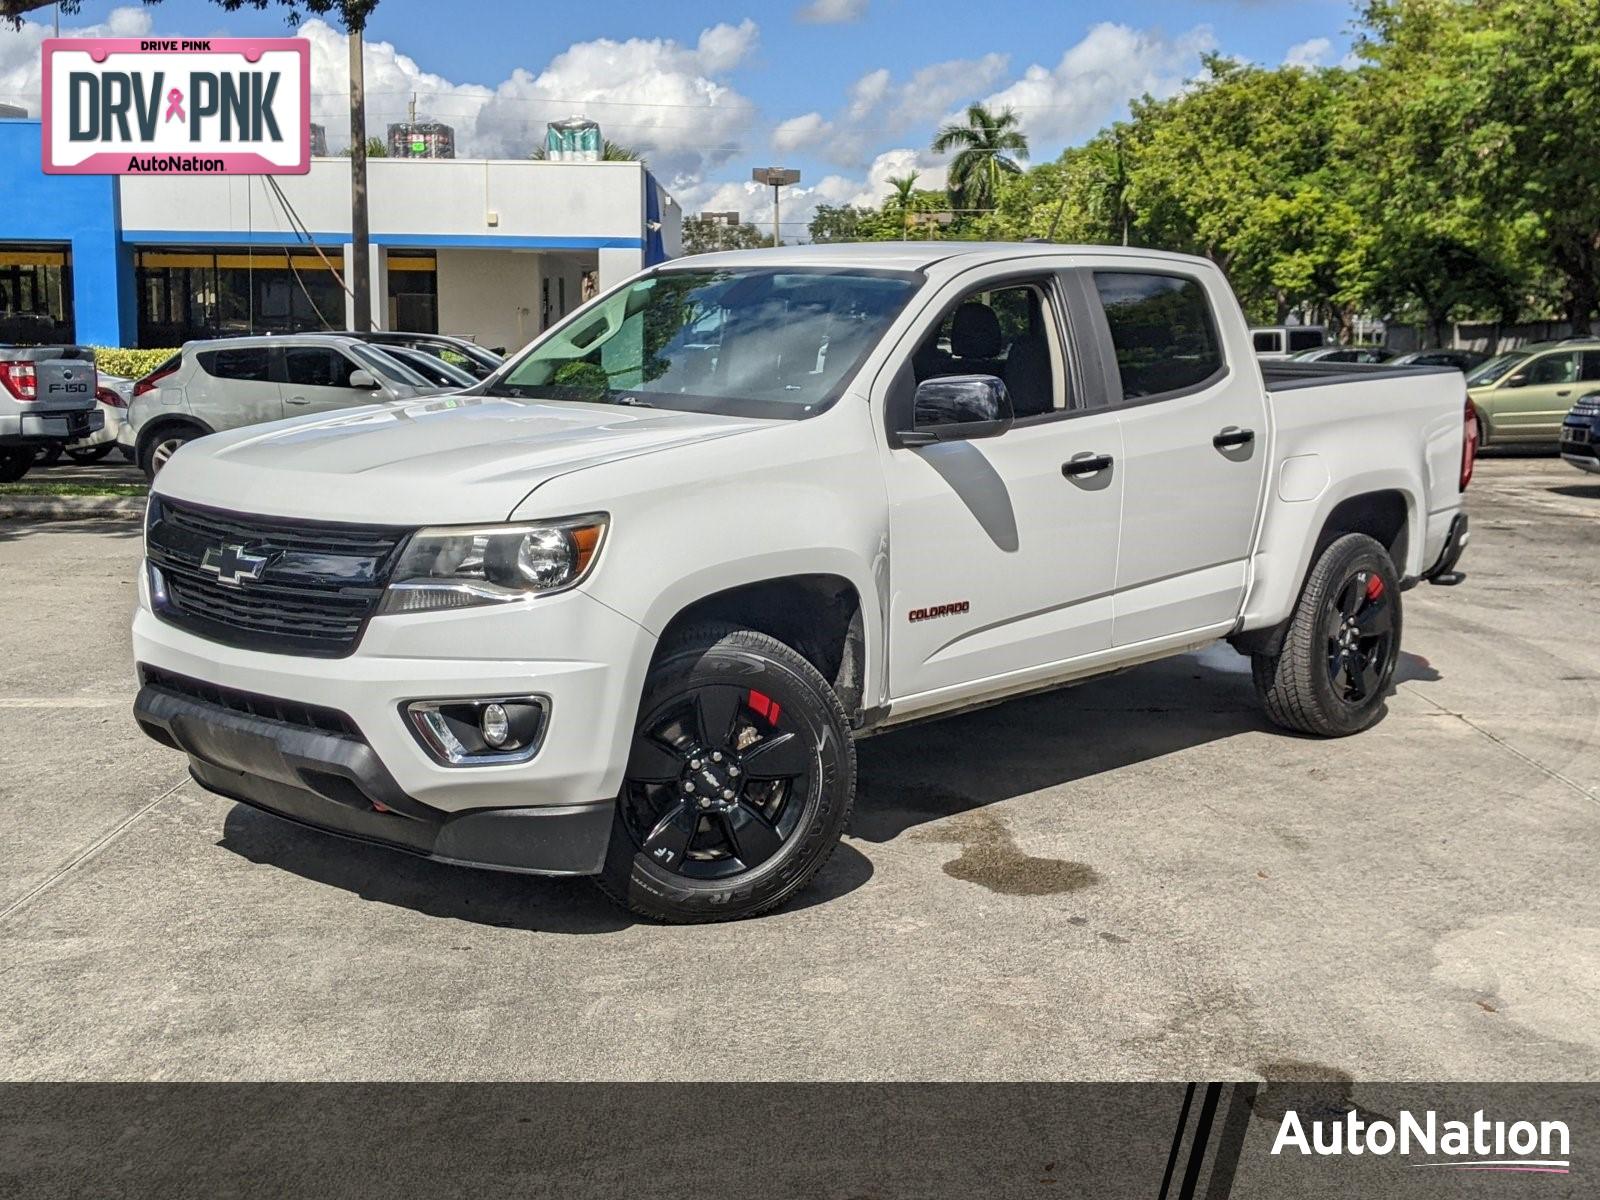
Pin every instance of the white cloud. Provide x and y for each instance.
(799, 132)
(1309, 53)
(20, 54)
(868, 91)
(1097, 76)
(831, 12)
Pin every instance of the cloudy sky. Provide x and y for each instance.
(848, 91)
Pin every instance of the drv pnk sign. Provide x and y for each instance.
(170, 106)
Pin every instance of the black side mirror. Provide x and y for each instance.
(1520, 379)
(958, 408)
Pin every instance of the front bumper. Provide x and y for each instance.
(33, 427)
(335, 782)
(548, 814)
(1580, 442)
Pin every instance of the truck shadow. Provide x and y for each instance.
(495, 898)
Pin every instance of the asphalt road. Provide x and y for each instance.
(1132, 879)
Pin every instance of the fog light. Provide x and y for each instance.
(496, 725)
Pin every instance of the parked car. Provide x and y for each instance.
(1580, 434)
(1344, 354)
(621, 609)
(1460, 360)
(432, 368)
(111, 395)
(232, 382)
(1523, 396)
(480, 361)
(46, 398)
(1280, 341)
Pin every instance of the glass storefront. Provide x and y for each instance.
(36, 294)
(413, 291)
(185, 294)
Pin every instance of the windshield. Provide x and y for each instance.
(1495, 369)
(763, 343)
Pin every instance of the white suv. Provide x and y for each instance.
(231, 382)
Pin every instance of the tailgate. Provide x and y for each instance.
(63, 377)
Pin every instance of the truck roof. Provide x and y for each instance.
(913, 256)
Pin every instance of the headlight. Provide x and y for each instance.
(459, 566)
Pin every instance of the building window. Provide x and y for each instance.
(186, 294)
(413, 291)
(36, 294)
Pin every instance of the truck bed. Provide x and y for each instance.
(1282, 375)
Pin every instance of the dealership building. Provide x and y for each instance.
(492, 250)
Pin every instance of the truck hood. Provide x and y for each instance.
(449, 459)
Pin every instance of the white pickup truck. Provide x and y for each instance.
(621, 609)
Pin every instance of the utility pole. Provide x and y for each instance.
(775, 178)
(360, 238)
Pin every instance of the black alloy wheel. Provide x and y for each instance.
(739, 780)
(1360, 636)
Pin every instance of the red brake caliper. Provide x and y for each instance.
(765, 706)
(1374, 587)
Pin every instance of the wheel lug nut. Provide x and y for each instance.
(705, 801)
(716, 756)
(727, 793)
(694, 764)
(733, 772)
(688, 787)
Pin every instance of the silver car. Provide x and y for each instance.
(226, 383)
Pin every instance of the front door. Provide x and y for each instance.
(1194, 453)
(317, 379)
(1530, 404)
(1003, 549)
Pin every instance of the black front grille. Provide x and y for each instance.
(266, 708)
(267, 583)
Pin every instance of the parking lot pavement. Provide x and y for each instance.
(1135, 878)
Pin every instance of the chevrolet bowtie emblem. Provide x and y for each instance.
(231, 565)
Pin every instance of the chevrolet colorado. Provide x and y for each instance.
(621, 609)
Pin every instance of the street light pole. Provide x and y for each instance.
(361, 285)
(775, 178)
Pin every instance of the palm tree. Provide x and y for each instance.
(986, 143)
(609, 152)
(904, 187)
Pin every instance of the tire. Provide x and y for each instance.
(698, 840)
(15, 462)
(155, 450)
(128, 454)
(1339, 653)
(84, 455)
(1483, 427)
(48, 454)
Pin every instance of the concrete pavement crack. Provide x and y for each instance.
(1586, 793)
(84, 855)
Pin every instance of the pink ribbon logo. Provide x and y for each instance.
(174, 106)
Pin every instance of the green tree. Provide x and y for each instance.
(984, 147)
(352, 14)
(1490, 112)
(609, 152)
(905, 189)
(707, 237)
(375, 149)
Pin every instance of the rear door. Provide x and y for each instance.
(234, 386)
(1194, 450)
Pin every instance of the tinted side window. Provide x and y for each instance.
(1266, 343)
(1554, 368)
(1162, 330)
(316, 366)
(1304, 339)
(251, 364)
(1590, 370)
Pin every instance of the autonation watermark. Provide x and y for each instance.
(1480, 1144)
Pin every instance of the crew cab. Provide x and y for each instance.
(622, 609)
(47, 397)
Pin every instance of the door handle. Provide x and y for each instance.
(296, 400)
(1232, 436)
(1565, 392)
(1086, 463)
